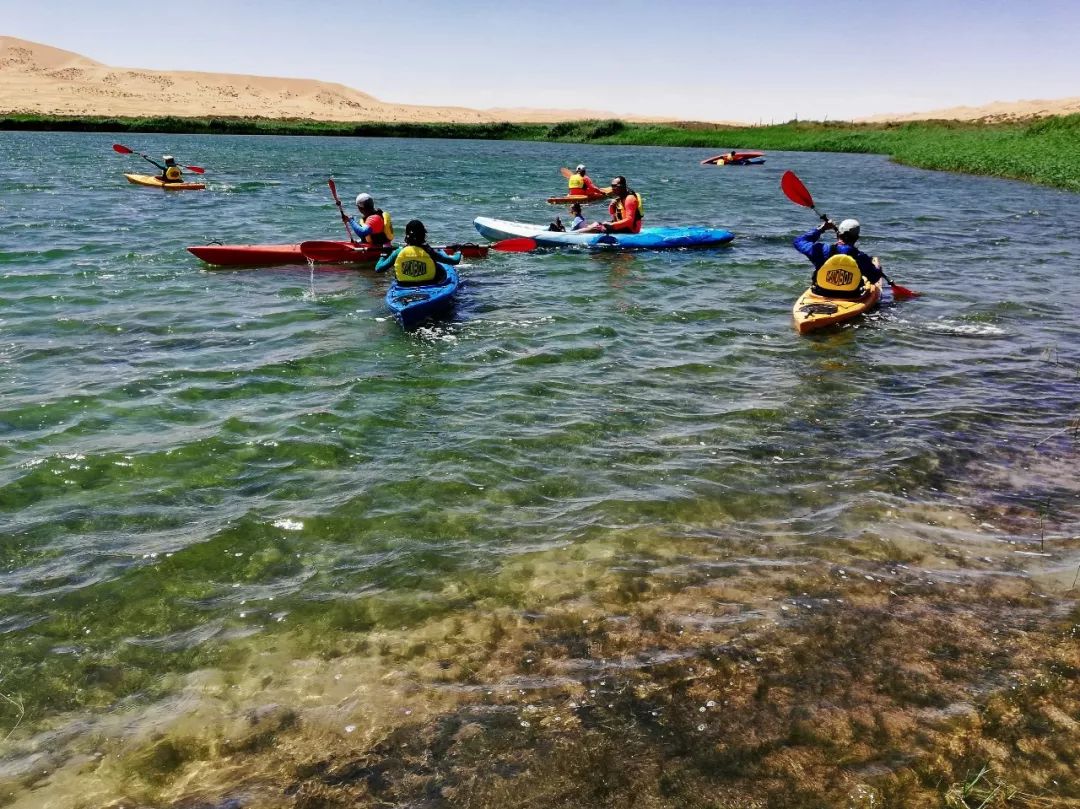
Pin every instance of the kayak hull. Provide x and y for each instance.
(814, 312)
(153, 182)
(579, 198)
(412, 305)
(740, 157)
(267, 255)
(647, 239)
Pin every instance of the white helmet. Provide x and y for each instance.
(581, 167)
(167, 157)
(364, 199)
(849, 228)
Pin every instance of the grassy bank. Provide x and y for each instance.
(1042, 151)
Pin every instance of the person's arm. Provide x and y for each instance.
(360, 230)
(807, 244)
(629, 211)
(387, 261)
(870, 267)
(447, 258)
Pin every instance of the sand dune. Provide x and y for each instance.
(40, 79)
(995, 111)
(36, 78)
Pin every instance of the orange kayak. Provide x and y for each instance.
(813, 312)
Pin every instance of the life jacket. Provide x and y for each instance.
(387, 234)
(576, 185)
(618, 211)
(415, 264)
(173, 175)
(839, 277)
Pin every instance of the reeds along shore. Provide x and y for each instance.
(1041, 151)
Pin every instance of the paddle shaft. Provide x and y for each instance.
(344, 216)
(121, 149)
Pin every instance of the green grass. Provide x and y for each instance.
(1042, 151)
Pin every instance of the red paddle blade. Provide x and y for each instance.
(903, 293)
(565, 172)
(333, 189)
(121, 149)
(521, 245)
(196, 169)
(795, 191)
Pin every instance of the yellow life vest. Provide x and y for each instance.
(388, 226)
(413, 264)
(172, 174)
(576, 184)
(840, 273)
(620, 209)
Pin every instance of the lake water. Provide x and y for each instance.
(200, 466)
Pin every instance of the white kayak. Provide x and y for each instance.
(647, 239)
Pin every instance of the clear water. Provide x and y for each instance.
(195, 461)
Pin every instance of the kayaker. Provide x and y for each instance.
(579, 221)
(417, 262)
(733, 158)
(580, 185)
(626, 210)
(835, 275)
(170, 172)
(374, 226)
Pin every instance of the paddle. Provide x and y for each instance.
(794, 190)
(125, 150)
(337, 253)
(344, 216)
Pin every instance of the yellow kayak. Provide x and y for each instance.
(813, 312)
(154, 182)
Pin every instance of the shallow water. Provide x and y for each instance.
(194, 461)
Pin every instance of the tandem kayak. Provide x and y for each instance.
(647, 239)
(412, 304)
(153, 182)
(813, 312)
(332, 252)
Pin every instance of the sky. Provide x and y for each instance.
(766, 61)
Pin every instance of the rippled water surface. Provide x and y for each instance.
(195, 460)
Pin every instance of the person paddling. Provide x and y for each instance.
(170, 172)
(841, 270)
(373, 226)
(580, 185)
(417, 262)
(626, 210)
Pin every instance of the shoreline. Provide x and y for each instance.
(1041, 151)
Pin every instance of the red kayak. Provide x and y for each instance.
(720, 159)
(325, 252)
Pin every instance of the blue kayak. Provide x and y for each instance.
(647, 239)
(412, 304)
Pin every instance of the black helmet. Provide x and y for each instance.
(415, 232)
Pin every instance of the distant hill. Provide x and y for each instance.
(996, 111)
(36, 78)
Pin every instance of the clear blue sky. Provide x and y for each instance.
(689, 59)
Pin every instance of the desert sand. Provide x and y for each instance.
(993, 112)
(40, 79)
